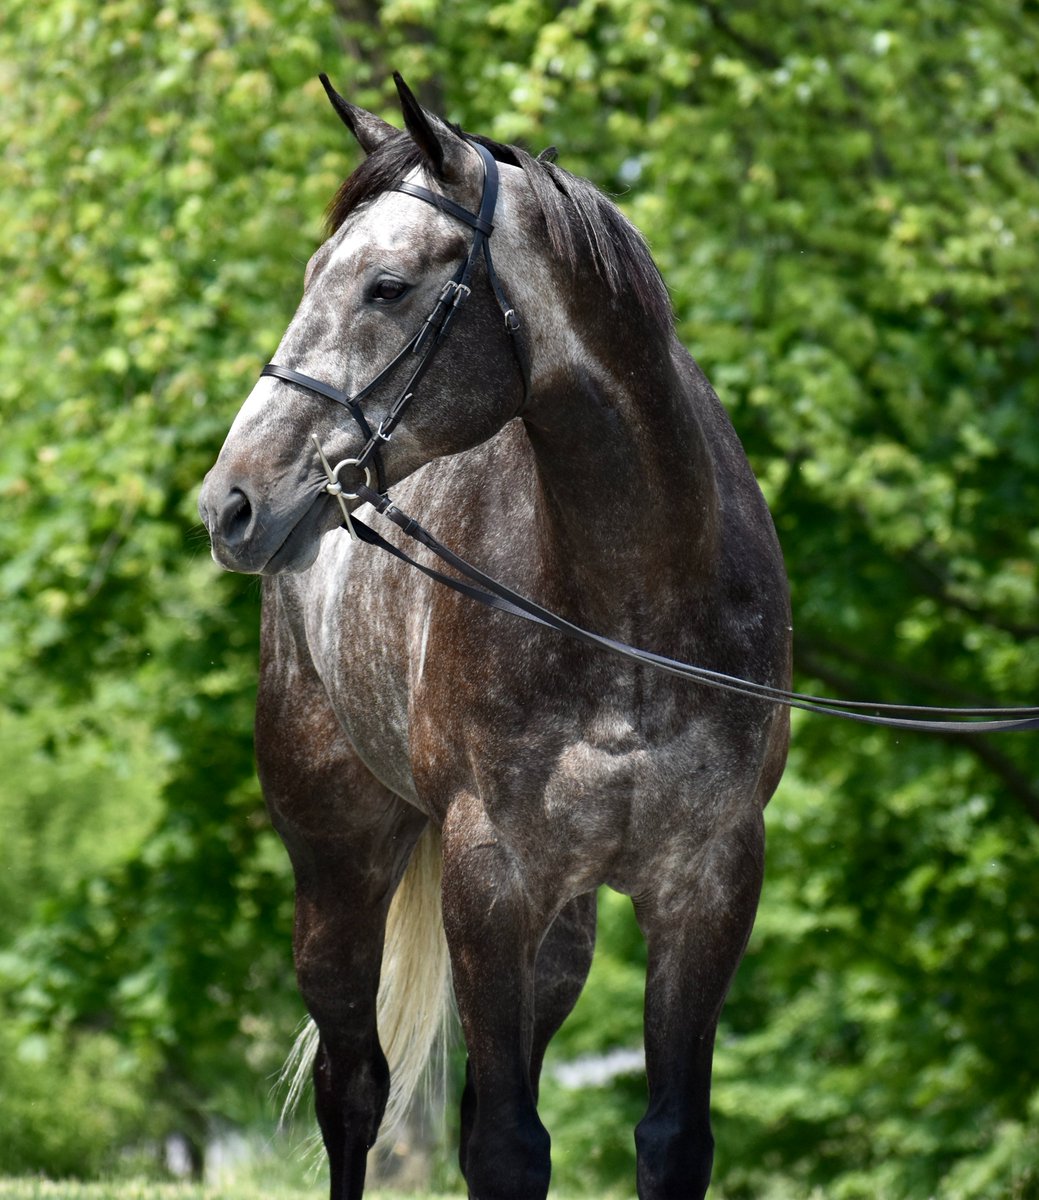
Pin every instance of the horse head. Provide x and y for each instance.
(373, 311)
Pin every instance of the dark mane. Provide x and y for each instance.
(583, 225)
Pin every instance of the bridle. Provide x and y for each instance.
(425, 342)
(486, 590)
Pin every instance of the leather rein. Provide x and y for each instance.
(486, 590)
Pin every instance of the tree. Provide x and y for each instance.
(843, 200)
(151, 164)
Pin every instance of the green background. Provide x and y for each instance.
(843, 199)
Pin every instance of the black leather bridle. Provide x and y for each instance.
(426, 341)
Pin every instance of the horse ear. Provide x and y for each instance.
(371, 131)
(443, 149)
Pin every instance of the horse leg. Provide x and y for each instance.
(563, 962)
(342, 900)
(349, 840)
(335, 943)
(495, 921)
(696, 926)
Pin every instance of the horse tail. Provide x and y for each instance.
(414, 1004)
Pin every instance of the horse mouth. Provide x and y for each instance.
(299, 547)
(294, 551)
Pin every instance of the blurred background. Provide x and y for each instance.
(843, 198)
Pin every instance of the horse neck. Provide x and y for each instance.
(628, 491)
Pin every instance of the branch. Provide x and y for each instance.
(926, 686)
(763, 55)
(931, 580)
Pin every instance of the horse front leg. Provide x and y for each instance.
(349, 839)
(344, 885)
(494, 926)
(564, 960)
(338, 952)
(697, 922)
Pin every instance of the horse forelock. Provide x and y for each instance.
(380, 172)
(584, 227)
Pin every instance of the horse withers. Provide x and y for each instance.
(427, 761)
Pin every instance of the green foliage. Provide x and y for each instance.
(844, 200)
(874, 1022)
(69, 796)
(138, 149)
(68, 1104)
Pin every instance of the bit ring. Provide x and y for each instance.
(334, 483)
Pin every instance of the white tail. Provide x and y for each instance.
(414, 1004)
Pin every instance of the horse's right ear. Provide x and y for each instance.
(371, 131)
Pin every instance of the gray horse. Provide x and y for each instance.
(425, 760)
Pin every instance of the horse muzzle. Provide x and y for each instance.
(258, 535)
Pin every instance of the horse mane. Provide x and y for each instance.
(583, 224)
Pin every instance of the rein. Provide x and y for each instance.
(486, 590)
(493, 594)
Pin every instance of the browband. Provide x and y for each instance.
(448, 206)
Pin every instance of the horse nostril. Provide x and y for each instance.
(235, 516)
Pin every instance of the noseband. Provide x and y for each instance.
(425, 342)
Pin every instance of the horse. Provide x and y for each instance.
(439, 773)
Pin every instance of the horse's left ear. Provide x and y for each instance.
(441, 147)
(371, 131)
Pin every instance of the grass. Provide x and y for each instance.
(143, 1189)
(45, 1189)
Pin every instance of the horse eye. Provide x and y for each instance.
(389, 289)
